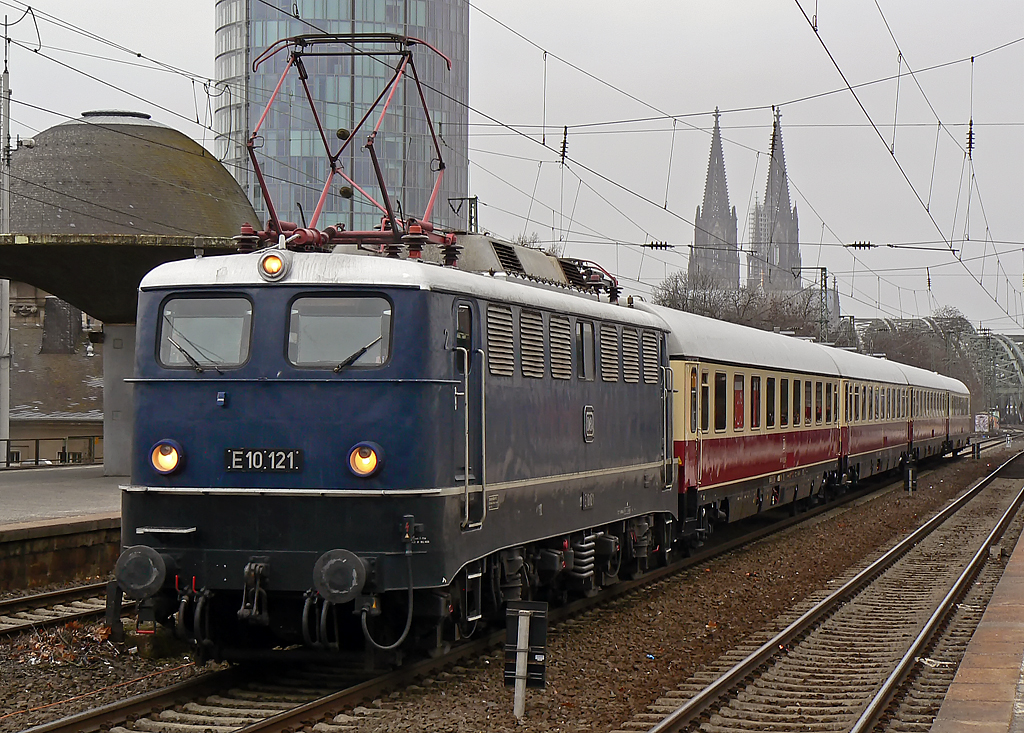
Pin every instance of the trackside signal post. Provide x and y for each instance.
(526, 634)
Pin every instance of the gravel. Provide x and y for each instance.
(603, 667)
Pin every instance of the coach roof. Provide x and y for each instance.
(705, 339)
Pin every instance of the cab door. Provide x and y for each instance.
(468, 362)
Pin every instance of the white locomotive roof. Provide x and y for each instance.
(319, 268)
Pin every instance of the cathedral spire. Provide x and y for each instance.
(774, 227)
(776, 193)
(714, 259)
(716, 189)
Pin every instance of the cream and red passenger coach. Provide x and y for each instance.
(762, 419)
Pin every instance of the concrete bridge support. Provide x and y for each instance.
(118, 365)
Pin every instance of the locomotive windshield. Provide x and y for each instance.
(338, 332)
(205, 332)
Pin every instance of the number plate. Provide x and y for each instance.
(268, 460)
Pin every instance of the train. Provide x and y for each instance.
(363, 449)
(375, 440)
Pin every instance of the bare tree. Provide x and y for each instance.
(795, 312)
(533, 241)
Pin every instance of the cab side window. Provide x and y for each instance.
(585, 351)
(463, 336)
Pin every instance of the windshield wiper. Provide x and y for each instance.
(184, 352)
(356, 355)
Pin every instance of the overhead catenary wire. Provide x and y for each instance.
(659, 207)
(903, 172)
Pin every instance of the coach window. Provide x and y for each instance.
(705, 402)
(721, 401)
(755, 402)
(828, 403)
(737, 401)
(585, 351)
(783, 403)
(796, 403)
(693, 399)
(807, 402)
(817, 402)
(769, 402)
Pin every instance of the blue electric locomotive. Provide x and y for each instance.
(329, 441)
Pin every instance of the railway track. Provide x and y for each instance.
(230, 700)
(869, 653)
(40, 610)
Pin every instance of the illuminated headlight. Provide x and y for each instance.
(166, 456)
(273, 264)
(365, 459)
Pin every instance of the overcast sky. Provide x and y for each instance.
(618, 73)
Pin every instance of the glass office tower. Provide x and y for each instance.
(289, 147)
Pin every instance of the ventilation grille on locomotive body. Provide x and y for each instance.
(508, 258)
(651, 362)
(609, 354)
(500, 358)
(572, 273)
(531, 332)
(561, 347)
(630, 356)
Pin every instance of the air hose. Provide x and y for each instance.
(408, 620)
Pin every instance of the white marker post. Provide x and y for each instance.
(526, 631)
(522, 650)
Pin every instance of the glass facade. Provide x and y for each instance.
(289, 148)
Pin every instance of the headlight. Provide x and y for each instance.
(166, 456)
(365, 459)
(273, 264)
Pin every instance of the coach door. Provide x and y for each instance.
(469, 440)
(688, 437)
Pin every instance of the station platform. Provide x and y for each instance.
(987, 694)
(36, 494)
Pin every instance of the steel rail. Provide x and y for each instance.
(689, 712)
(38, 600)
(117, 713)
(876, 708)
(31, 603)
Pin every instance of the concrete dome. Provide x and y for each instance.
(116, 172)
